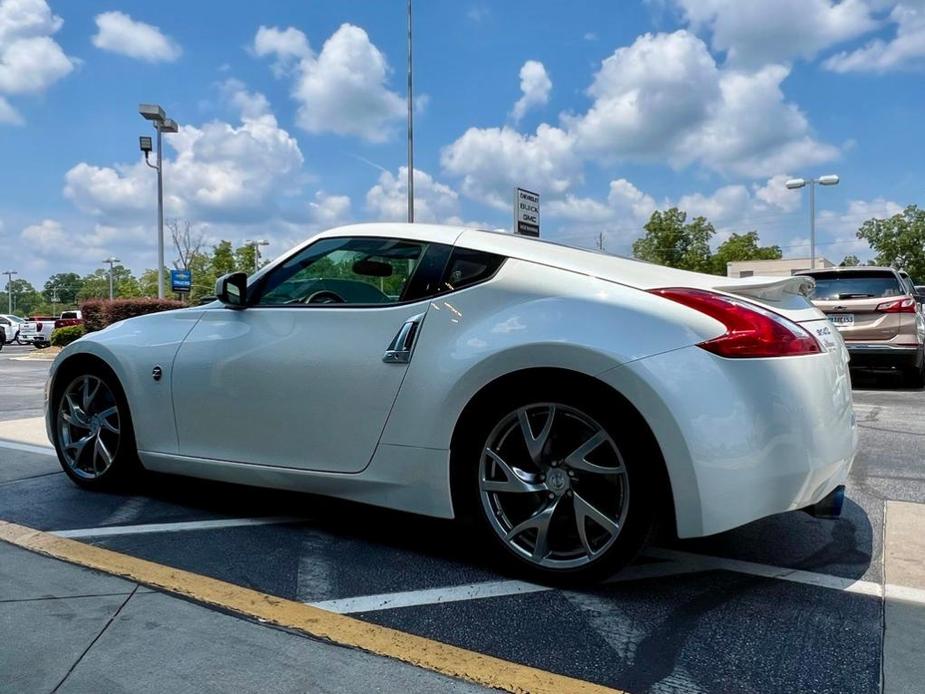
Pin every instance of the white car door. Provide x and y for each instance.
(306, 375)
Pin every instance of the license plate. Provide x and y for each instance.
(842, 319)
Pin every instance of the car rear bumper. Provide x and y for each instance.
(865, 355)
(744, 438)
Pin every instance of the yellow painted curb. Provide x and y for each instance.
(348, 631)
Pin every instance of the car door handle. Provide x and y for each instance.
(399, 350)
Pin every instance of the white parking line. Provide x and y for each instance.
(486, 589)
(848, 585)
(26, 447)
(673, 562)
(174, 527)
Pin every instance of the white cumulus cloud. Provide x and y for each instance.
(343, 89)
(663, 98)
(220, 172)
(329, 210)
(535, 86)
(30, 59)
(387, 201)
(118, 33)
(491, 161)
(753, 33)
(905, 50)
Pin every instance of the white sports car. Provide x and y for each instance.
(565, 400)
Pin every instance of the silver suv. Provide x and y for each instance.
(879, 313)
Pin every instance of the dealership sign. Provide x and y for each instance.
(526, 212)
(181, 280)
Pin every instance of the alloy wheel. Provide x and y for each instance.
(553, 485)
(88, 427)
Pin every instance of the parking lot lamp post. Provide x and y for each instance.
(793, 184)
(9, 288)
(162, 124)
(256, 245)
(111, 260)
(410, 124)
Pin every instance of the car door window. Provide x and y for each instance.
(353, 271)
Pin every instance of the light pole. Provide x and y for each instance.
(111, 260)
(162, 124)
(793, 184)
(9, 287)
(256, 245)
(410, 126)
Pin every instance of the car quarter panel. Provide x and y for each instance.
(744, 438)
(528, 316)
(132, 348)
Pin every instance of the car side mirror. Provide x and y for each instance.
(231, 289)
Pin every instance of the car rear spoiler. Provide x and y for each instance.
(769, 288)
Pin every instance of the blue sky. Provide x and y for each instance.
(292, 118)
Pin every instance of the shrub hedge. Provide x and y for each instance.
(98, 314)
(66, 335)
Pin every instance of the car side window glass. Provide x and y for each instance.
(467, 267)
(428, 276)
(353, 270)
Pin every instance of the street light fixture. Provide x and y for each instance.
(256, 245)
(9, 287)
(795, 183)
(111, 260)
(162, 124)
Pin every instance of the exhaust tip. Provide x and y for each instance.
(830, 506)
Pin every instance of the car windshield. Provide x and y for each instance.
(856, 285)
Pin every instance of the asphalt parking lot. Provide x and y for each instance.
(788, 603)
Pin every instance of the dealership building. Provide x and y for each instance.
(785, 267)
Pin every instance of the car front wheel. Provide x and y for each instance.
(562, 489)
(93, 432)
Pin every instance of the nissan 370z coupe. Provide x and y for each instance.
(563, 400)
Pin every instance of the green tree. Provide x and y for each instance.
(147, 283)
(96, 284)
(223, 260)
(850, 261)
(899, 241)
(673, 241)
(742, 247)
(244, 259)
(25, 298)
(62, 288)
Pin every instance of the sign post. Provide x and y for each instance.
(526, 212)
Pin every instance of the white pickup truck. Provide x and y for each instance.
(37, 330)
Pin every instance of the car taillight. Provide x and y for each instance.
(751, 330)
(904, 304)
(38, 326)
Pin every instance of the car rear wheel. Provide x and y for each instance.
(561, 487)
(93, 432)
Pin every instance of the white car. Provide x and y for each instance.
(565, 400)
(10, 326)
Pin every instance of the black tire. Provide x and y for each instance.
(640, 490)
(125, 467)
(915, 376)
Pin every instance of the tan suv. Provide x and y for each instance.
(879, 313)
